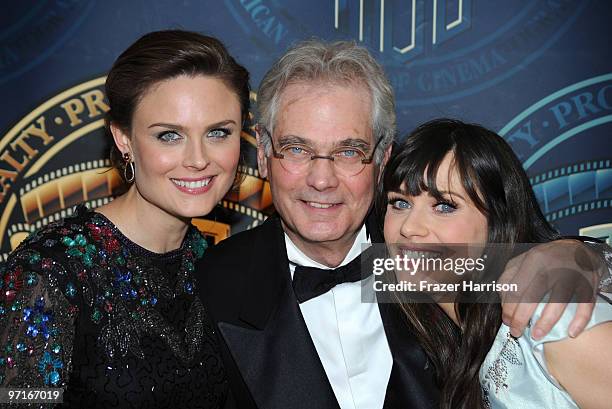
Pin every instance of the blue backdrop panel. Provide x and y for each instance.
(538, 72)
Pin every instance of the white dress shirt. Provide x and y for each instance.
(348, 334)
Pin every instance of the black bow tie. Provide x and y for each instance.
(310, 282)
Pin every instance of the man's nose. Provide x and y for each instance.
(322, 174)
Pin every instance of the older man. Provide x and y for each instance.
(327, 121)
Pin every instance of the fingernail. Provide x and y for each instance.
(537, 333)
(573, 332)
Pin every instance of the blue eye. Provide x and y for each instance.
(219, 133)
(399, 204)
(445, 207)
(296, 151)
(348, 154)
(169, 136)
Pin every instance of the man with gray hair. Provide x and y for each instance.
(327, 121)
(296, 330)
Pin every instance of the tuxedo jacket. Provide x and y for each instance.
(270, 359)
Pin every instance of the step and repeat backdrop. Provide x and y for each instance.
(538, 72)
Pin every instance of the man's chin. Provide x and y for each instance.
(321, 232)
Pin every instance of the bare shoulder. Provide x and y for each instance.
(583, 365)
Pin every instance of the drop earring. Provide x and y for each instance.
(128, 164)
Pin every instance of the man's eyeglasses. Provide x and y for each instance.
(297, 158)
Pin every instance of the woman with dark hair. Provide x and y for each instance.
(452, 182)
(103, 303)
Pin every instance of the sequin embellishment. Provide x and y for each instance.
(84, 267)
(498, 371)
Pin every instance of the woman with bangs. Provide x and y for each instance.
(452, 182)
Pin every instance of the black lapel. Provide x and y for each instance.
(373, 226)
(411, 384)
(273, 351)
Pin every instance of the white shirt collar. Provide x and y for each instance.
(296, 256)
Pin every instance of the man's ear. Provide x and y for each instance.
(262, 159)
(384, 161)
(122, 139)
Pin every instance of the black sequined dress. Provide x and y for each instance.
(117, 326)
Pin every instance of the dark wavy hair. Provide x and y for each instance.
(160, 56)
(495, 181)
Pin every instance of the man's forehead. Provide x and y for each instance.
(339, 112)
(296, 91)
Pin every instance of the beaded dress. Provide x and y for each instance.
(85, 309)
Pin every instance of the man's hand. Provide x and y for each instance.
(566, 269)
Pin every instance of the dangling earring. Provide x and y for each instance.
(128, 164)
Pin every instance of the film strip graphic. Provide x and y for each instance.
(254, 199)
(576, 188)
(48, 194)
(52, 196)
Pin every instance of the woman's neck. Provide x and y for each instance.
(144, 223)
(449, 309)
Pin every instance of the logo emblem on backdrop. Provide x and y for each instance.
(54, 159)
(538, 135)
(433, 50)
